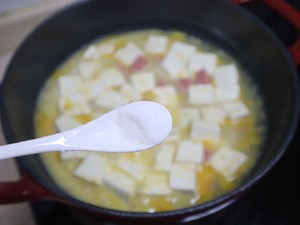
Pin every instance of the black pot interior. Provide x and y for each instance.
(219, 22)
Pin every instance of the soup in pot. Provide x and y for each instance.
(218, 121)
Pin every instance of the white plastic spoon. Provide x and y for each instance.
(129, 128)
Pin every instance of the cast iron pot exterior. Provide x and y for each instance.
(256, 48)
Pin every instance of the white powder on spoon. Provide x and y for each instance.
(132, 127)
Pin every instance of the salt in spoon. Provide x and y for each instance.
(132, 127)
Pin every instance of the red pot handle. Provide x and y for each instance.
(289, 13)
(25, 189)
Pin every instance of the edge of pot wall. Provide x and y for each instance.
(17, 19)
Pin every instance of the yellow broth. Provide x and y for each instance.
(244, 134)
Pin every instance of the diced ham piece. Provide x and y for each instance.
(207, 155)
(183, 84)
(202, 77)
(139, 63)
(161, 83)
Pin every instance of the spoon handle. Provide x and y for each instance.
(45, 144)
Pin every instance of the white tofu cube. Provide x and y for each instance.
(90, 89)
(205, 131)
(215, 114)
(236, 109)
(92, 168)
(91, 53)
(88, 69)
(174, 64)
(200, 94)
(184, 50)
(187, 115)
(110, 99)
(143, 81)
(136, 170)
(227, 161)
(66, 122)
(228, 92)
(226, 75)
(156, 44)
(74, 104)
(164, 157)
(183, 177)
(156, 184)
(93, 88)
(68, 85)
(110, 78)
(120, 183)
(106, 49)
(203, 61)
(131, 93)
(190, 152)
(165, 95)
(128, 54)
(73, 155)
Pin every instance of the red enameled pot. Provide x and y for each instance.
(271, 66)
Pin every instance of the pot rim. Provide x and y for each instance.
(229, 197)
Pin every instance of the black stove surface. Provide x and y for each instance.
(273, 201)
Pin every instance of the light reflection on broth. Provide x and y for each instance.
(215, 139)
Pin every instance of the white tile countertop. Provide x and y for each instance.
(17, 19)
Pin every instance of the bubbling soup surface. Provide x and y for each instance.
(218, 121)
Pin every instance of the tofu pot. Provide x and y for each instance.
(222, 23)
